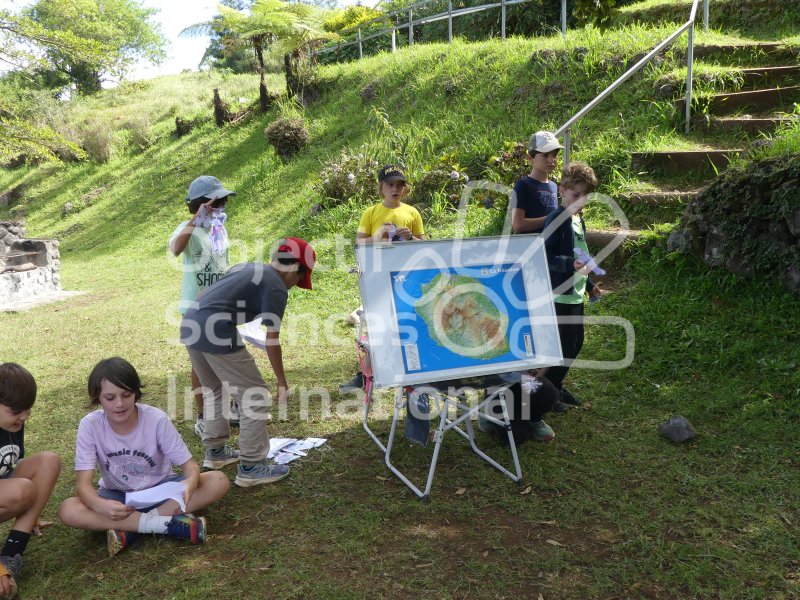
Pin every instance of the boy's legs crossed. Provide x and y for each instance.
(240, 372)
(25, 492)
(217, 430)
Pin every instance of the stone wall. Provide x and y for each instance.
(28, 268)
(10, 232)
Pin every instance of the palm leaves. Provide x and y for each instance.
(269, 23)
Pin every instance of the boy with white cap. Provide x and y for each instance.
(535, 195)
(203, 242)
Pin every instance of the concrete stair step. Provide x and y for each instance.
(683, 161)
(771, 50)
(660, 198)
(763, 77)
(753, 125)
(751, 100)
(599, 238)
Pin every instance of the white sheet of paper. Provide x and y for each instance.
(172, 490)
(253, 333)
(285, 450)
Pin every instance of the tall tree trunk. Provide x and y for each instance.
(262, 86)
(289, 73)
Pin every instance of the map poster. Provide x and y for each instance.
(454, 318)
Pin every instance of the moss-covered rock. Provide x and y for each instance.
(748, 221)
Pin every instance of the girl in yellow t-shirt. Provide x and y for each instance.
(391, 220)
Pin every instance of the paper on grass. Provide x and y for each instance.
(285, 450)
(171, 490)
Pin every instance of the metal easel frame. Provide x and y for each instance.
(461, 424)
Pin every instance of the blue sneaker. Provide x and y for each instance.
(118, 540)
(186, 527)
(216, 458)
(262, 472)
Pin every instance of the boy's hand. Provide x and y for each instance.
(283, 393)
(404, 233)
(581, 267)
(40, 526)
(116, 511)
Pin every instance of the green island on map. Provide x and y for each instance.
(461, 317)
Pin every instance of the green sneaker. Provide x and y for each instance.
(541, 431)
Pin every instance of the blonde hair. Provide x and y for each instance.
(579, 173)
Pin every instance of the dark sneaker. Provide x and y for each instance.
(119, 540)
(216, 458)
(560, 408)
(354, 384)
(541, 431)
(568, 398)
(262, 472)
(11, 566)
(186, 527)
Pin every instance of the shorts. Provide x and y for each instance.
(119, 495)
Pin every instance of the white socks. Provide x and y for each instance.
(152, 522)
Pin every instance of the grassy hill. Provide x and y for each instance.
(630, 514)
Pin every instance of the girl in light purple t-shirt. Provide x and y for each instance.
(135, 447)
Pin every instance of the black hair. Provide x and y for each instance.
(17, 387)
(115, 370)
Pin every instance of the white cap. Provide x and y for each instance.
(543, 141)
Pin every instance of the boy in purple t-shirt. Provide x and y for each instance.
(135, 446)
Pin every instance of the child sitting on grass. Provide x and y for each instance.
(135, 446)
(26, 483)
(568, 275)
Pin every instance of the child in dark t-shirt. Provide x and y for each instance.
(25, 485)
(535, 196)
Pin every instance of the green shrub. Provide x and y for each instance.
(288, 136)
(140, 131)
(349, 176)
(97, 139)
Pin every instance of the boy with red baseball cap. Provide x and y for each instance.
(225, 367)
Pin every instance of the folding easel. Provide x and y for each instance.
(462, 423)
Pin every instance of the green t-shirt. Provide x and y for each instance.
(201, 267)
(579, 281)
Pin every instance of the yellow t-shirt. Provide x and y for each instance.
(404, 215)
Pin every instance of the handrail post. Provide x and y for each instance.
(705, 15)
(394, 40)
(449, 21)
(410, 27)
(360, 48)
(503, 19)
(566, 150)
(689, 73)
(564, 18)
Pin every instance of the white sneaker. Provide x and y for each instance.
(199, 427)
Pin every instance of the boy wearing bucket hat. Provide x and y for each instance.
(535, 196)
(226, 368)
(203, 242)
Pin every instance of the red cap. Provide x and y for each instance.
(303, 252)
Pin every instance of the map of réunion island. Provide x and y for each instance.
(462, 318)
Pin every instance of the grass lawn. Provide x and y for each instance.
(609, 508)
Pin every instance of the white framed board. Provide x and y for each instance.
(444, 309)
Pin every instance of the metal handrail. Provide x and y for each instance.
(449, 14)
(689, 25)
